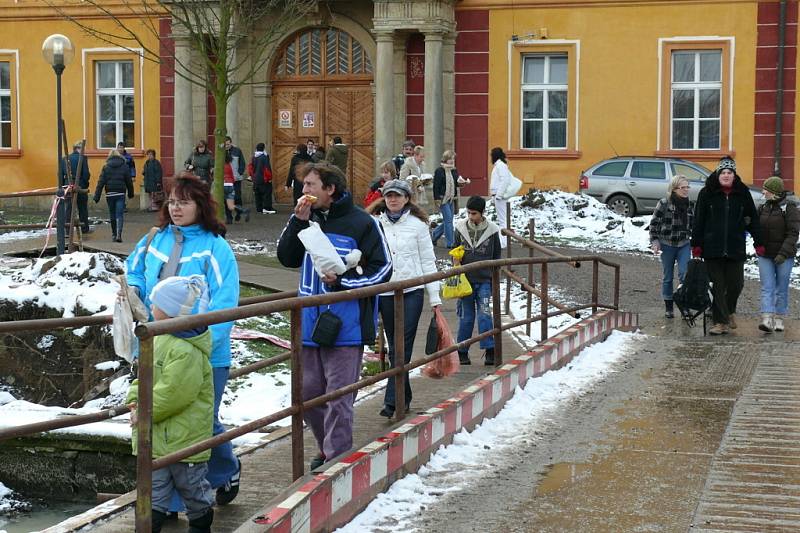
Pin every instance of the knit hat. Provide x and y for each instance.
(773, 185)
(726, 163)
(181, 295)
(398, 186)
(476, 203)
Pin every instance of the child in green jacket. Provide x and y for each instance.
(183, 402)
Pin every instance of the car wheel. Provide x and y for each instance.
(622, 205)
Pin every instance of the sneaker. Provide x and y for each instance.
(732, 321)
(463, 358)
(669, 314)
(317, 461)
(778, 323)
(269, 211)
(718, 329)
(766, 322)
(264, 211)
(227, 492)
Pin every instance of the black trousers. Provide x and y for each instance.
(237, 193)
(262, 193)
(82, 202)
(727, 278)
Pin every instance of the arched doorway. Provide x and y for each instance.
(320, 89)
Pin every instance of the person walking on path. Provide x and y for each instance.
(262, 180)
(300, 158)
(82, 182)
(153, 176)
(229, 190)
(337, 154)
(190, 240)
(183, 403)
(238, 164)
(337, 363)
(481, 240)
(201, 162)
(446, 182)
(407, 151)
(386, 173)
(780, 227)
(411, 171)
(116, 180)
(405, 226)
(723, 213)
(670, 231)
(499, 182)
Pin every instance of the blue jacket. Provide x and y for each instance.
(203, 254)
(348, 227)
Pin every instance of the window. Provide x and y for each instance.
(115, 104)
(5, 104)
(544, 101)
(696, 98)
(690, 172)
(616, 169)
(322, 53)
(653, 170)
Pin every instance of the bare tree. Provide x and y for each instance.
(230, 38)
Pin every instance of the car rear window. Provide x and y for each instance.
(653, 170)
(615, 168)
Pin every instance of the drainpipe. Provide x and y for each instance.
(779, 92)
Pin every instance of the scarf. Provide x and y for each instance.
(681, 208)
(476, 230)
(449, 187)
(394, 217)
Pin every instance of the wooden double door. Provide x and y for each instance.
(300, 113)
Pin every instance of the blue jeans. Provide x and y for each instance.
(116, 210)
(412, 310)
(774, 285)
(669, 255)
(446, 226)
(479, 301)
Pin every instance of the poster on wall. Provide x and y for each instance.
(308, 119)
(285, 118)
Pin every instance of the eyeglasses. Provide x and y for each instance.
(180, 203)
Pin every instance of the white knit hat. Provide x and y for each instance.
(181, 295)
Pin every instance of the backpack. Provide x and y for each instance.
(693, 296)
(265, 171)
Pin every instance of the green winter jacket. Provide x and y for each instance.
(337, 155)
(183, 395)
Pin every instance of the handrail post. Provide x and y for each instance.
(543, 284)
(595, 283)
(399, 354)
(508, 256)
(616, 287)
(296, 321)
(529, 296)
(497, 319)
(144, 442)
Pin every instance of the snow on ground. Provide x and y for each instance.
(18, 235)
(10, 504)
(452, 467)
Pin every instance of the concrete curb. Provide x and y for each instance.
(324, 501)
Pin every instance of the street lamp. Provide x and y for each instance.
(58, 52)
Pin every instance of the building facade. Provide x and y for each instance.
(559, 85)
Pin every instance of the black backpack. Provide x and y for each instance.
(693, 296)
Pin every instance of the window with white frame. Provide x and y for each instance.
(115, 104)
(544, 101)
(696, 99)
(5, 104)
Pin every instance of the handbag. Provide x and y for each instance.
(456, 287)
(511, 189)
(326, 329)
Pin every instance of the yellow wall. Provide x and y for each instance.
(618, 75)
(36, 165)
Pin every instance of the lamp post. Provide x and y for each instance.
(58, 52)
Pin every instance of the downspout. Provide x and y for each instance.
(779, 92)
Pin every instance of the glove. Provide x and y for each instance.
(697, 251)
(760, 251)
(779, 259)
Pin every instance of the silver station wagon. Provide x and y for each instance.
(632, 185)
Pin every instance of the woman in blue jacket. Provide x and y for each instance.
(190, 240)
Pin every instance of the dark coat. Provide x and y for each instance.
(780, 227)
(241, 163)
(83, 182)
(439, 183)
(203, 164)
(153, 174)
(114, 178)
(721, 220)
(131, 164)
(297, 159)
(259, 164)
(669, 229)
(337, 155)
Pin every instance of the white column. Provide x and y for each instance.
(434, 108)
(449, 90)
(232, 109)
(182, 125)
(384, 98)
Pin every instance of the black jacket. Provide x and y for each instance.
(259, 164)
(440, 185)
(83, 182)
(297, 159)
(720, 220)
(235, 151)
(115, 178)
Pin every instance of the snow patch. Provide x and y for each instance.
(107, 365)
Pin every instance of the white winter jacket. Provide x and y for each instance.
(412, 252)
(500, 178)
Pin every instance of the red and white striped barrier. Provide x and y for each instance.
(324, 501)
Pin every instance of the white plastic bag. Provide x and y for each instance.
(122, 329)
(323, 254)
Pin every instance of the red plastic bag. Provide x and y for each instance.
(447, 365)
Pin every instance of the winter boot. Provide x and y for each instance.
(158, 520)
(766, 322)
(670, 309)
(488, 357)
(732, 321)
(317, 461)
(114, 229)
(777, 323)
(119, 230)
(203, 523)
(463, 358)
(718, 329)
(227, 492)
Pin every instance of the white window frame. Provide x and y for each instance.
(6, 93)
(545, 87)
(118, 92)
(696, 86)
(13, 93)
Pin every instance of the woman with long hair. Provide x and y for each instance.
(406, 228)
(670, 231)
(499, 182)
(190, 240)
(446, 182)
